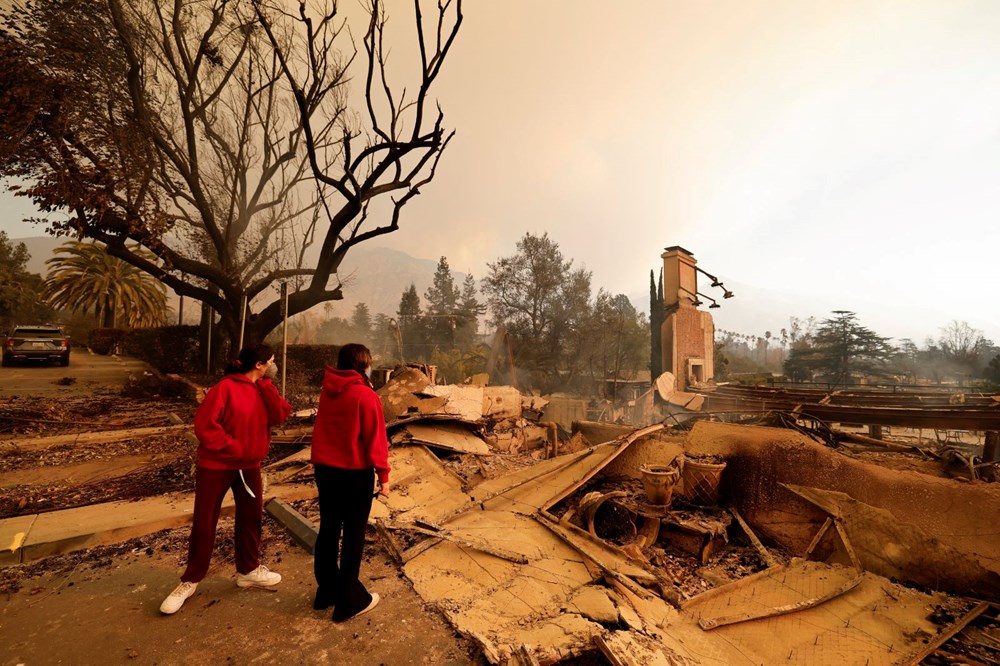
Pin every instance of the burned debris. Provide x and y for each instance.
(715, 543)
(692, 541)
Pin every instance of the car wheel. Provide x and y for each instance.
(7, 362)
(64, 361)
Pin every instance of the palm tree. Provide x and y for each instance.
(85, 278)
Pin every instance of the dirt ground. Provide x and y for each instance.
(102, 606)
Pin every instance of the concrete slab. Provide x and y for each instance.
(464, 401)
(13, 532)
(59, 532)
(502, 604)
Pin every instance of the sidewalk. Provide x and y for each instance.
(31, 537)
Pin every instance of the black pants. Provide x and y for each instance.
(345, 500)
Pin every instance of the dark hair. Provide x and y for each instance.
(354, 357)
(249, 357)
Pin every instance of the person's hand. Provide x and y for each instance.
(383, 489)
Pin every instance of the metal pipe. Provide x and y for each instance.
(553, 436)
(208, 352)
(284, 335)
(243, 321)
(180, 308)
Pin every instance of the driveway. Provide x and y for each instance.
(85, 368)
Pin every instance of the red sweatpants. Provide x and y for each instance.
(210, 487)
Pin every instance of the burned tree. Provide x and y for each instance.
(220, 136)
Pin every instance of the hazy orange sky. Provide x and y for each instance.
(816, 155)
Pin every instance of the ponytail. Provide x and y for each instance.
(248, 359)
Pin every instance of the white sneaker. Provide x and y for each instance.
(259, 577)
(176, 599)
(375, 599)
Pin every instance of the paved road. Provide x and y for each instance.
(89, 370)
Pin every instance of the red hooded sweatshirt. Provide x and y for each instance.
(233, 423)
(349, 432)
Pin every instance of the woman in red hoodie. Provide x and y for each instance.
(233, 426)
(349, 450)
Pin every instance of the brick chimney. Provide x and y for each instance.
(687, 333)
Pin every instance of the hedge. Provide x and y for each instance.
(306, 363)
(166, 348)
(177, 349)
(103, 341)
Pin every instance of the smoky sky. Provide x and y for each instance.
(820, 154)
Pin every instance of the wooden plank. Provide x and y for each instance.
(847, 544)
(709, 623)
(390, 544)
(945, 636)
(410, 553)
(727, 589)
(463, 484)
(816, 539)
(764, 553)
(608, 558)
(525, 657)
(496, 487)
(302, 530)
(871, 441)
(959, 659)
(503, 554)
(621, 648)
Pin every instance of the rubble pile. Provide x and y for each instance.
(708, 544)
(540, 554)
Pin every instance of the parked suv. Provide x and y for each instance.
(44, 342)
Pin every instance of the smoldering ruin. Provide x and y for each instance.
(713, 524)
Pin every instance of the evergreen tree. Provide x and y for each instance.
(409, 307)
(442, 304)
(442, 296)
(361, 322)
(655, 326)
(411, 324)
(841, 350)
(469, 311)
(993, 370)
(384, 339)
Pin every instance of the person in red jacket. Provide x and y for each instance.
(233, 426)
(349, 451)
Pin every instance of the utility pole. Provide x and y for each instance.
(284, 335)
(243, 321)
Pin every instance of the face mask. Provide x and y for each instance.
(272, 371)
(368, 372)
